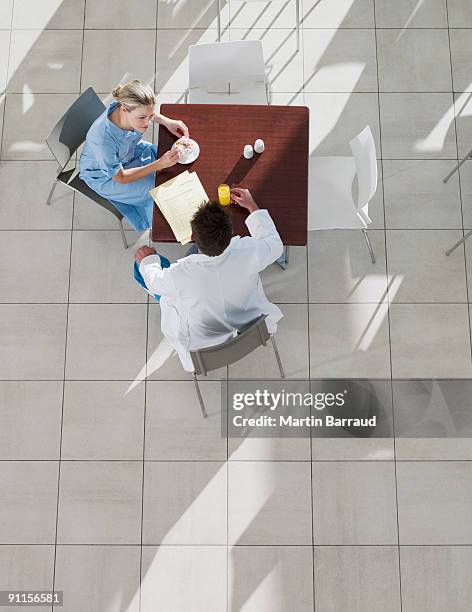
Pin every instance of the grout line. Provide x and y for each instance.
(463, 246)
(388, 308)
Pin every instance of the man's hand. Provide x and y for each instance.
(243, 198)
(168, 159)
(143, 252)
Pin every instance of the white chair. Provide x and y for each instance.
(297, 8)
(227, 73)
(330, 188)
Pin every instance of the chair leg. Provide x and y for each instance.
(297, 4)
(456, 168)
(369, 246)
(48, 201)
(287, 254)
(218, 19)
(277, 356)
(200, 398)
(123, 236)
(458, 243)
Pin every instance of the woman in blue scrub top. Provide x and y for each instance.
(117, 163)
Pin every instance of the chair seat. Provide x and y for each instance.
(330, 201)
(77, 184)
(255, 95)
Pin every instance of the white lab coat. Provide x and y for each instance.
(205, 300)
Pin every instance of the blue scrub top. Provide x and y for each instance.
(108, 149)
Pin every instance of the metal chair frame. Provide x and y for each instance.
(252, 336)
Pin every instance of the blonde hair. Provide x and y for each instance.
(134, 94)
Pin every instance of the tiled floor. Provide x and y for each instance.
(107, 485)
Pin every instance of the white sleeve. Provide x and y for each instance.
(157, 279)
(267, 243)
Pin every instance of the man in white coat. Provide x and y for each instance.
(208, 296)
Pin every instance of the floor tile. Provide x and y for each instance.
(28, 509)
(340, 268)
(100, 502)
(410, 14)
(45, 61)
(25, 187)
(98, 577)
(417, 198)
(4, 50)
(289, 285)
(349, 340)
(115, 334)
(6, 9)
(269, 449)
(270, 14)
(163, 362)
(200, 14)
(340, 60)
(172, 56)
(459, 14)
(436, 578)
(163, 568)
(461, 50)
(432, 420)
(90, 216)
(466, 191)
(30, 419)
(434, 500)
(194, 511)
(270, 578)
(28, 120)
(350, 444)
(414, 60)
(26, 567)
(33, 337)
(357, 578)
(92, 410)
(284, 66)
(261, 495)
(337, 118)
(49, 14)
(463, 112)
(39, 273)
(292, 343)
(424, 347)
(419, 269)
(109, 57)
(417, 126)
(117, 14)
(102, 270)
(175, 427)
(354, 503)
(345, 14)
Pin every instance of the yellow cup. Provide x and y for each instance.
(224, 196)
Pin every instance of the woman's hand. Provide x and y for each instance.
(176, 127)
(168, 159)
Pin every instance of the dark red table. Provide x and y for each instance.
(278, 178)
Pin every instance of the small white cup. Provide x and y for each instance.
(259, 146)
(248, 151)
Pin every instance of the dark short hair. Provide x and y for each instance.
(211, 228)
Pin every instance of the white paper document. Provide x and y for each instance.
(178, 199)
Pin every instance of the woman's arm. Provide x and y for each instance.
(176, 127)
(130, 175)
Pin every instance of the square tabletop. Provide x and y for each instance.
(277, 178)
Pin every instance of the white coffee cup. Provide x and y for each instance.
(259, 146)
(248, 152)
